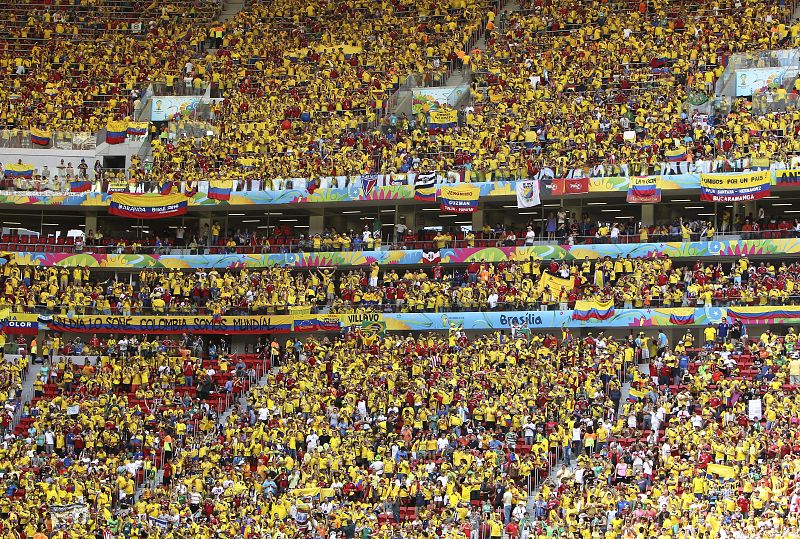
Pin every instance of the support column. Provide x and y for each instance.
(90, 223)
(316, 224)
(648, 214)
(477, 220)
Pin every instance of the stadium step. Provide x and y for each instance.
(230, 8)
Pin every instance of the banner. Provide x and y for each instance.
(220, 189)
(69, 515)
(443, 118)
(675, 155)
(19, 170)
(644, 190)
(137, 129)
(147, 206)
(425, 187)
(116, 131)
(40, 137)
(569, 186)
(599, 310)
(374, 327)
(459, 198)
(528, 194)
(787, 176)
(555, 283)
(118, 186)
(734, 187)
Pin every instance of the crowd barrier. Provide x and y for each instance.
(375, 187)
(593, 315)
(185, 259)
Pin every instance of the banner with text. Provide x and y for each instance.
(644, 190)
(734, 187)
(459, 198)
(148, 206)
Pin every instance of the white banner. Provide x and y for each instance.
(528, 194)
(65, 515)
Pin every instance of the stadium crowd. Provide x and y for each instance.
(627, 68)
(522, 435)
(479, 286)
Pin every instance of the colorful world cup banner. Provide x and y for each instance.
(148, 206)
(734, 187)
(644, 190)
(459, 198)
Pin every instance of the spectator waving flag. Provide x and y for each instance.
(675, 155)
(528, 193)
(19, 170)
(425, 187)
(116, 131)
(40, 137)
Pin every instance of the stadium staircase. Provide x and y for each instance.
(230, 8)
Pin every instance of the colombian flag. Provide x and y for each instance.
(80, 186)
(137, 129)
(681, 319)
(147, 206)
(675, 155)
(116, 132)
(40, 137)
(19, 170)
(220, 189)
(191, 189)
(166, 188)
(587, 310)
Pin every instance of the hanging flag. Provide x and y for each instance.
(431, 257)
(40, 137)
(425, 187)
(312, 185)
(116, 132)
(147, 206)
(644, 190)
(220, 189)
(459, 198)
(137, 129)
(570, 186)
(19, 170)
(587, 309)
(80, 186)
(734, 187)
(398, 179)
(368, 184)
(675, 155)
(528, 193)
(681, 319)
(191, 189)
(166, 188)
(789, 176)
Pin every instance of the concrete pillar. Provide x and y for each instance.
(90, 222)
(477, 220)
(316, 224)
(648, 214)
